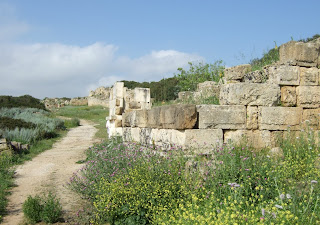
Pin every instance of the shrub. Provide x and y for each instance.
(46, 208)
(198, 73)
(26, 101)
(74, 122)
(32, 209)
(11, 124)
(52, 210)
(268, 58)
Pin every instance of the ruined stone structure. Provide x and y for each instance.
(100, 96)
(123, 100)
(256, 107)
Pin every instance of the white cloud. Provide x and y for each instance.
(57, 70)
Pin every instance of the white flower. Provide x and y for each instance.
(262, 212)
(282, 196)
(288, 196)
(279, 206)
(314, 182)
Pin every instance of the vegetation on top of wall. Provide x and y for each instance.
(198, 73)
(25, 101)
(314, 37)
(268, 58)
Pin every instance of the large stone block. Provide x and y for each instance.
(283, 75)
(221, 116)
(309, 76)
(198, 139)
(255, 138)
(308, 96)
(280, 118)
(252, 117)
(118, 90)
(237, 72)
(299, 53)
(311, 118)
(178, 117)
(136, 118)
(250, 94)
(288, 96)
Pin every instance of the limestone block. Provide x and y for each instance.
(134, 105)
(146, 136)
(173, 117)
(203, 138)
(178, 117)
(309, 76)
(118, 110)
(288, 96)
(280, 118)
(117, 123)
(252, 117)
(257, 76)
(255, 138)
(221, 116)
(299, 53)
(136, 118)
(308, 96)
(142, 95)
(154, 118)
(115, 103)
(283, 75)
(250, 94)
(131, 134)
(311, 118)
(118, 90)
(236, 72)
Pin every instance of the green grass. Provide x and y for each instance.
(96, 114)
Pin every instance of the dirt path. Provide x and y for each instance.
(50, 171)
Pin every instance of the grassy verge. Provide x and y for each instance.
(96, 114)
(126, 183)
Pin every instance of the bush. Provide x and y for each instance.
(74, 122)
(198, 73)
(11, 124)
(26, 101)
(47, 209)
(32, 209)
(52, 210)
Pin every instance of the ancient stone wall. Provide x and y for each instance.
(100, 96)
(256, 107)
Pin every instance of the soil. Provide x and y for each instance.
(50, 171)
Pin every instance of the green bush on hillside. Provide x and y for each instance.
(25, 101)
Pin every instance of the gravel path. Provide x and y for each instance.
(50, 171)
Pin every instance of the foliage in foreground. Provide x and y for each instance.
(131, 184)
(46, 208)
(29, 124)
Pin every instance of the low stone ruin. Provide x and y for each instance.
(257, 107)
(8, 147)
(54, 103)
(100, 96)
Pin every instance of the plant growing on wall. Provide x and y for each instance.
(198, 73)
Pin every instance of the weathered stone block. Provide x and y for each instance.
(118, 110)
(308, 96)
(154, 118)
(299, 53)
(283, 75)
(250, 94)
(309, 76)
(118, 90)
(257, 76)
(136, 118)
(252, 117)
(221, 116)
(173, 117)
(311, 118)
(280, 118)
(288, 96)
(134, 105)
(130, 134)
(255, 138)
(203, 139)
(236, 72)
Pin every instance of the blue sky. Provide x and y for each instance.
(68, 47)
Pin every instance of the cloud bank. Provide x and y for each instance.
(57, 70)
